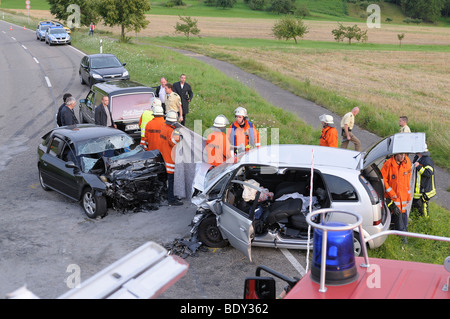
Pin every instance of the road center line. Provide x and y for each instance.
(24, 47)
(49, 84)
(36, 60)
(13, 38)
(293, 261)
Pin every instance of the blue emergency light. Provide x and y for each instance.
(340, 259)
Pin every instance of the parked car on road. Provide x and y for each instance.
(127, 101)
(100, 68)
(57, 35)
(41, 28)
(95, 165)
(262, 200)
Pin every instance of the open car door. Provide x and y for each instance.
(409, 143)
(236, 225)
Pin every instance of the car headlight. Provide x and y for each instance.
(96, 76)
(125, 73)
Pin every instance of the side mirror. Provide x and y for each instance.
(259, 288)
(124, 64)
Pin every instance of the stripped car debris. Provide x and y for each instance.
(95, 165)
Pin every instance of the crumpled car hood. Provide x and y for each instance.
(136, 181)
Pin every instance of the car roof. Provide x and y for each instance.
(302, 156)
(122, 86)
(98, 55)
(83, 132)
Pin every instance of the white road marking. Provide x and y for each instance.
(24, 47)
(36, 60)
(13, 38)
(293, 261)
(49, 84)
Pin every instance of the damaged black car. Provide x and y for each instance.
(99, 167)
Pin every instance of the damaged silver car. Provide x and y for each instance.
(97, 166)
(262, 200)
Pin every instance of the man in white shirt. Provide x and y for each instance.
(160, 92)
(347, 123)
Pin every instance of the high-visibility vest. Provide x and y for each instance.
(329, 137)
(247, 136)
(217, 147)
(397, 180)
(170, 136)
(425, 184)
(146, 117)
(152, 133)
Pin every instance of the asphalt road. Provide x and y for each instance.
(43, 233)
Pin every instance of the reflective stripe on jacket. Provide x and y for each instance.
(248, 136)
(397, 181)
(425, 178)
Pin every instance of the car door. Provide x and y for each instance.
(89, 107)
(69, 172)
(236, 225)
(84, 69)
(408, 143)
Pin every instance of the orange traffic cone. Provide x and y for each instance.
(10, 28)
(24, 28)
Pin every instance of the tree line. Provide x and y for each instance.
(426, 10)
(129, 15)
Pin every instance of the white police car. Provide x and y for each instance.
(41, 29)
(57, 35)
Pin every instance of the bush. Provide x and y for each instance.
(282, 6)
(256, 4)
(350, 32)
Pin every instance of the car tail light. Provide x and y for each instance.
(377, 222)
(374, 198)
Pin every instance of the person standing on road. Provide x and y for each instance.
(160, 92)
(217, 144)
(396, 173)
(170, 136)
(146, 117)
(184, 90)
(329, 135)
(153, 129)
(403, 123)
(102, 114)
(58, 115)
(242, 134)
(347, 123)
(424, 188)
(173, 101)
(67, 114)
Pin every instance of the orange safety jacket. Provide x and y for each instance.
(329, 137)
(170, 136)
(217, 147)
(152, 133)
(397, 182)
(146, 117)
(248, 136)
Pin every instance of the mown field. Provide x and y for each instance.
(215, 93)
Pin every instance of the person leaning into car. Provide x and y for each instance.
(67, 114)
(396, 173)
(103, 115)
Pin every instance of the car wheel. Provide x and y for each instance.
(94, 206)
(41, 181)
(209, 234)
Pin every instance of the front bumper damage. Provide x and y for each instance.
(137, 182)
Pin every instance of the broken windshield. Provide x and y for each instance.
(104, 143)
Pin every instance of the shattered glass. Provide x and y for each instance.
(102, 144)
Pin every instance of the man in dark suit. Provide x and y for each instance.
(103, 114)
(161, 92)
(184, 90)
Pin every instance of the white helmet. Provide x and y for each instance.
(328, 119)
(221, 121)
(158, 110)
(240, 111)
(156, 102)
(171, 116)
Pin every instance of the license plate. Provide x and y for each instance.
(132, 127)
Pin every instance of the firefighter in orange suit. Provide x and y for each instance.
(329, 135)
(242, 134)
(217, 144)
(396, 173)
(153, 129)
(170, 136)
(146, 117)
